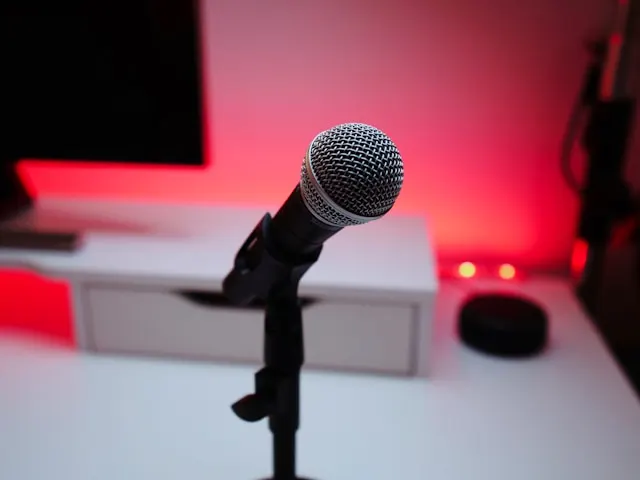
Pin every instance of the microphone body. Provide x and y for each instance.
(294, 232)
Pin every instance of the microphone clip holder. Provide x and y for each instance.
(262, 272)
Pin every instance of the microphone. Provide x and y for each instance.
(351, 174)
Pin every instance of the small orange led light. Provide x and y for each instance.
(467, 270)
(507, 272)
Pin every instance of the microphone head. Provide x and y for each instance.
(352, 174)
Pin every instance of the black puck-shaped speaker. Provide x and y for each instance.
(504, 325)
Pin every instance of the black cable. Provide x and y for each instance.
(578, 117)
(572, 133)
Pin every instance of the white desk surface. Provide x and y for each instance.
(193, 246)
(569, 414)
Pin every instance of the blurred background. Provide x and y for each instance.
(475, 94)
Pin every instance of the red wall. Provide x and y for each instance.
(475, 94)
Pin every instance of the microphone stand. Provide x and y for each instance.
(260, 273)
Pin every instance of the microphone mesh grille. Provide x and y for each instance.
(358, 168)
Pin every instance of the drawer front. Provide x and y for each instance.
(338, 335)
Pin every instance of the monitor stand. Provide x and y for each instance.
(16, 201)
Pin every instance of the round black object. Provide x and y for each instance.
(503, 325)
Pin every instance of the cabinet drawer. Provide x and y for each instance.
(338, 335)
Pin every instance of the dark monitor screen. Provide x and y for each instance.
(101, 80)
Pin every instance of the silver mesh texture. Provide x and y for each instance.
(352, 174)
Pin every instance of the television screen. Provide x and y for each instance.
(102, 80)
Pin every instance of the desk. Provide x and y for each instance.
(567, 415)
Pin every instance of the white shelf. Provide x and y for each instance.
(158, 243)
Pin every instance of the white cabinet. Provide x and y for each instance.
(338, 334)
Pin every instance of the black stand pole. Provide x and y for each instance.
(260, 273)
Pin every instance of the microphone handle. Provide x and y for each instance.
(295, 232)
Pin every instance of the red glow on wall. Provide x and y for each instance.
(35, 305)
(616, 39)
(579, 257)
